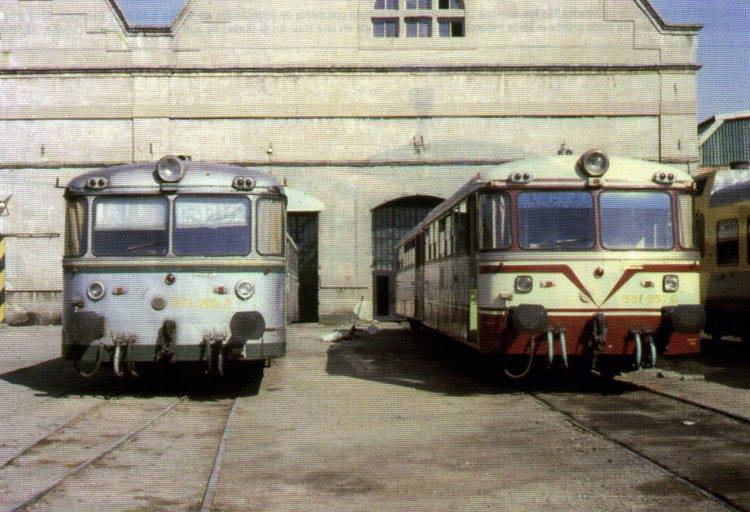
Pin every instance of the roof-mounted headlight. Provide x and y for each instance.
(242, 183)
(97, 183)
(170, 169)
(594, 163)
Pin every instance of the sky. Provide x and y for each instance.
(723, 44)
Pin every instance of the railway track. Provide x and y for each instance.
(213, 479)
(48, 486)
(708, 468)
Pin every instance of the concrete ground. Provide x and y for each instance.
(382, 422)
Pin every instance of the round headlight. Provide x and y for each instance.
(244, 290)
(594, 163)
(671, 283)
(96, 291)
(170, 169)
(524, 284)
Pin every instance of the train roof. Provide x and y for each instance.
(143, 177)
(560, 170)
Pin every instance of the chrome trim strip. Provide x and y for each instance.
(641, 257)
(173, 263)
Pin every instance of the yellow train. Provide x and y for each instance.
(722, 232)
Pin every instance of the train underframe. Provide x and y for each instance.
(84, 344)
(528, 336)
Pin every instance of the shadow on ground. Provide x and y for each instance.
(725, 362)
(434, 363)
(57, 378)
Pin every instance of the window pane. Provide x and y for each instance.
(270, 221)
(130, 226)
(75, 227)
(212, 226)
(418, 4)
(556, 221)
(385, 27)
(685, 212)
(456, 4)
(727, 242)
(650, 228)
(461, 227)
(451, 28)
(418, 27)
(494, 220)
(457, 28)
(444, 28)
(386, 4)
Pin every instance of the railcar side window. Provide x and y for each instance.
(441, 238)
(461, 227)
(556, 221)
(685, 214)
(130, 226)
(637, 220)
(728, 242)
(212, 226)
(76, 212)
(493, 217)
(270, 222)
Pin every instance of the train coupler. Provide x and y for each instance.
(122, 343)
(212, 348)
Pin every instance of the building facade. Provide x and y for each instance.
(377, 109)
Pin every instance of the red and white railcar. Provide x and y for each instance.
(586, 261)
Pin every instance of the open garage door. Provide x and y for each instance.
(391, 221)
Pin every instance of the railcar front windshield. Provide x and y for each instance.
(556, 221)
(131, 226)
(636, 220)
(212, 226)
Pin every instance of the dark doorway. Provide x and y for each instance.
(382, 293)
(303, 228)
(391, 221)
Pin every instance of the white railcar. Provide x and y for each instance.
(587, 259)
(175, 261)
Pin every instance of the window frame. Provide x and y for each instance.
(509, 220)
(385, 20)
(168, 224)
(83, 240)
(270, 198)
(673, 232)
(416, 22)
(173, 225)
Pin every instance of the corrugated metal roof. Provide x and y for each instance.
(726, 140)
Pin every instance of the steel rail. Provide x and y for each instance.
(83, 465)
(57, 428)
(736, 417)
(703, 491)
(213, 480)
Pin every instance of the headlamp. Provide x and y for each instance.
(170, 169)
(594, 163)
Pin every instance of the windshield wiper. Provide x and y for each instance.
(144, 246)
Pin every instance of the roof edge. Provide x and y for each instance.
(663, 24)
(128, 28)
